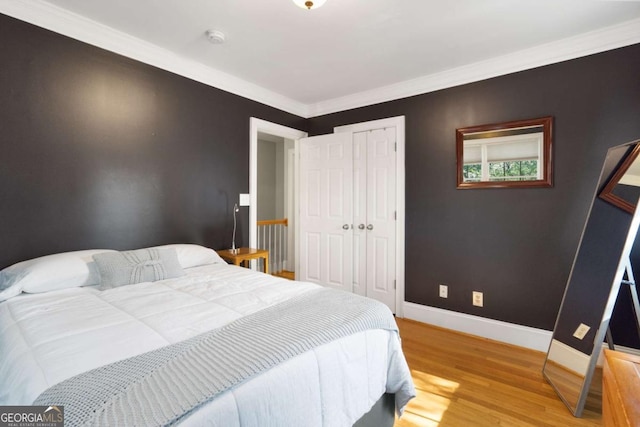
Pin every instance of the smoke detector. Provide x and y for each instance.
(215, 36)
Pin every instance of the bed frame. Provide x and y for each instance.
(381, 415)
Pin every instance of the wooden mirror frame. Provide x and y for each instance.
(547, 162)
(607, 192)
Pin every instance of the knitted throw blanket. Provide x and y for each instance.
(163, 386)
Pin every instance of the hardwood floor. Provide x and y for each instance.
(286, 274)
(463, 380)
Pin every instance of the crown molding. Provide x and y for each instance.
(54, 18)
(50, 17)
(608, 38)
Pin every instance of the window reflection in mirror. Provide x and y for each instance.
(514, 154)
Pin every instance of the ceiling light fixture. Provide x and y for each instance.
(309, 4)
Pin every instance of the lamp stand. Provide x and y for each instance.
(234, 250)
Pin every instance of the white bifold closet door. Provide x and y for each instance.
(348, 228)
(374, 211)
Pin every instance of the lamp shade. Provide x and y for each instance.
(309, 4)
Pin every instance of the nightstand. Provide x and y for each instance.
(244, 255)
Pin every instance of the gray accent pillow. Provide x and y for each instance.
(142, 265)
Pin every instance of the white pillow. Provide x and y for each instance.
(142, 265)
(50, 273)
(194, 255)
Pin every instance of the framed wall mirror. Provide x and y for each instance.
(505, 155)
(623, 189)
(600, 265)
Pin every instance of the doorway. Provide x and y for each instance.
(398, 123)
(272, 189)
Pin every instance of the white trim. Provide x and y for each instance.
(510, 333)
(608, 38)
(399, 123)
(567, 356)
(62, 21)
(290, 207)
(255, 126)
(78, 27)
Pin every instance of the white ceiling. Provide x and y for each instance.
(347, 53)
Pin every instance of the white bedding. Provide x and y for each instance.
(46, 338)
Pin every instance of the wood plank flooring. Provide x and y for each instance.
(463, 380)
(286, 274)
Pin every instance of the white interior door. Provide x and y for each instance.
(326, 210)
(374, 215)
(360, 213)
(380, 222)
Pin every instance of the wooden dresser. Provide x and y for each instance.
(621, 390)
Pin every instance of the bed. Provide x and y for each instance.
(74, 322)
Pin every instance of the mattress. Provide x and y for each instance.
(49, 337)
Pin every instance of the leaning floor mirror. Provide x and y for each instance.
(598, 270)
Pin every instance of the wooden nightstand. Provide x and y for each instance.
(244, 255)
(620, 389)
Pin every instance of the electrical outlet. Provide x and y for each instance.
(444, 291)
(581, 331)
(478, 299)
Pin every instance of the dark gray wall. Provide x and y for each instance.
(97, 150)
(267, 182)
(515, 245)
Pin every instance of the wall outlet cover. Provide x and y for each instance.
(478, 299)
(444, 291)
(581, 331)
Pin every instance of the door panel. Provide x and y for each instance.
(312, 194)
(311, 256)
(360, 213)
(326, 206)
(337, 208)
(380, 249)
(350, 179)
(381, 211)
(335, 256)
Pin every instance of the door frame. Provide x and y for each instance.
(399, 123)
(258, 125)
(290, 208)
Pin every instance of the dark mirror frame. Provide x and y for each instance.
(547, 162)
(607, 192)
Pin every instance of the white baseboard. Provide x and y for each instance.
(510, 333)
(569, 357)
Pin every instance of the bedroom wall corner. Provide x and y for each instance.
(514, 245)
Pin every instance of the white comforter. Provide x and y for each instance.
(46, 338)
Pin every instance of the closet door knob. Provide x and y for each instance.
(361, 226)
(369, 227)
(345, 227)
